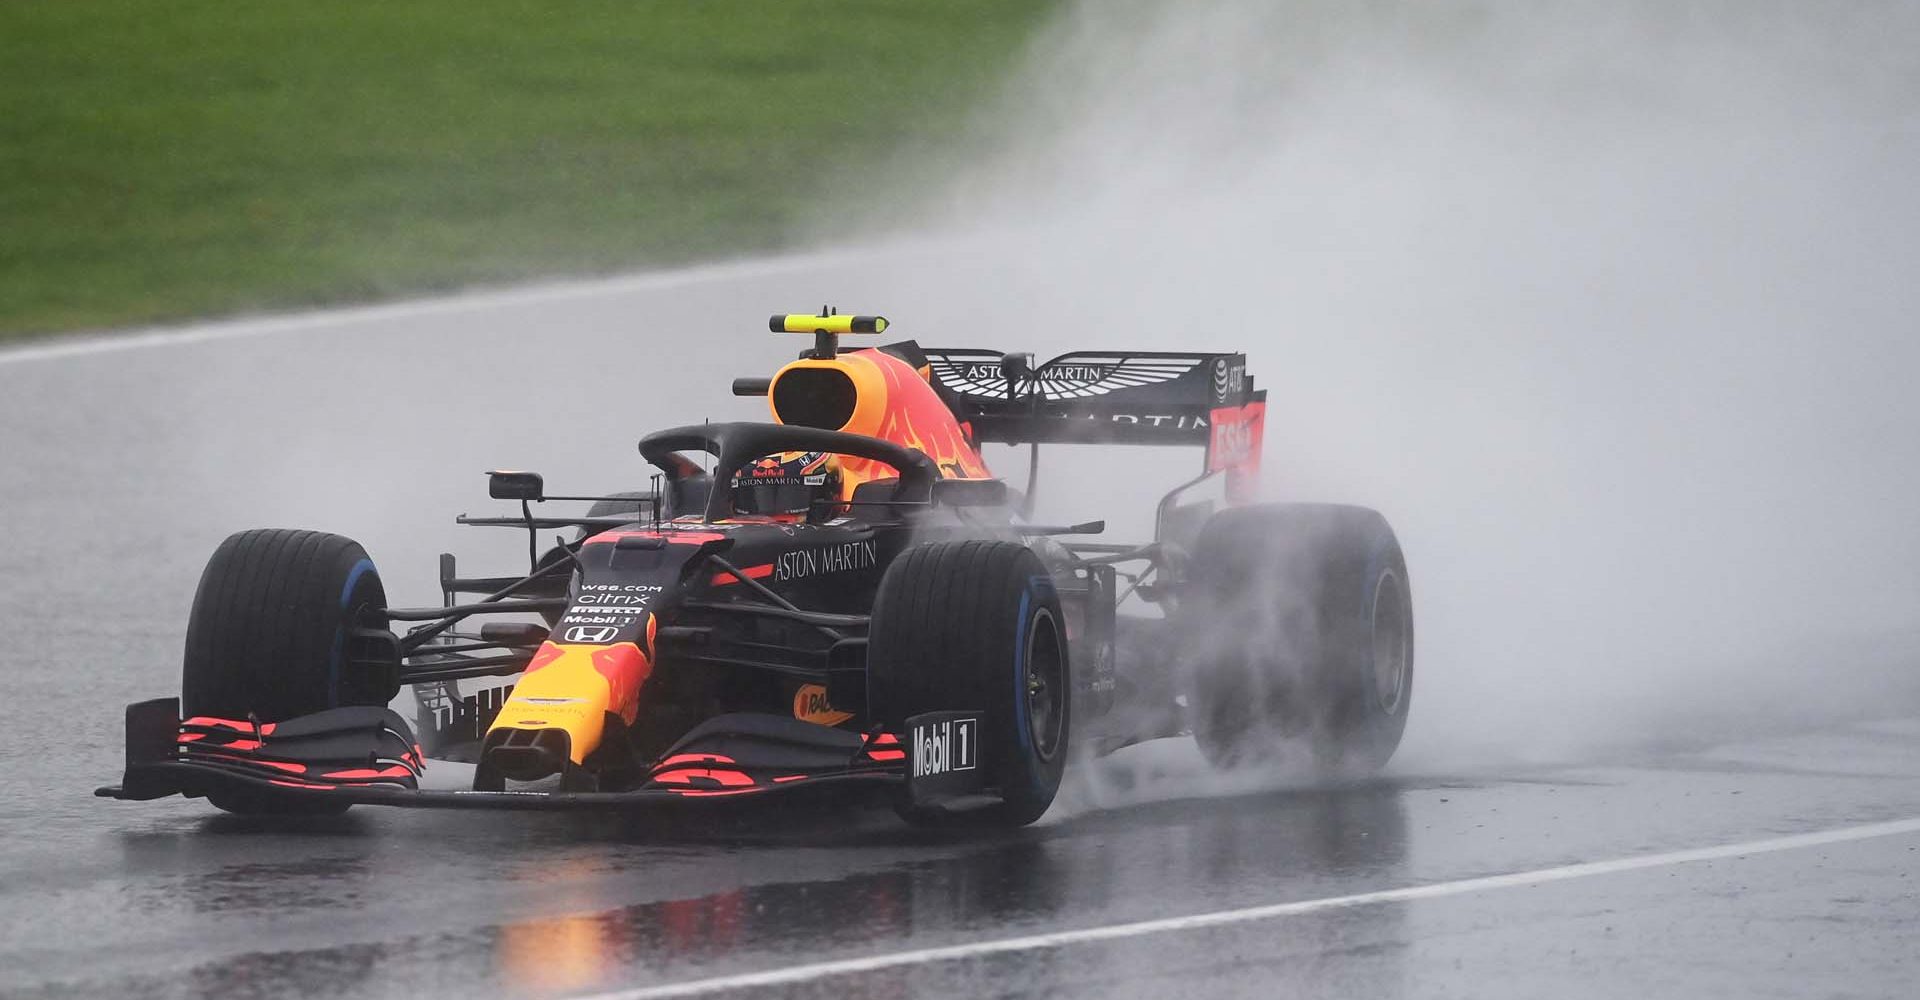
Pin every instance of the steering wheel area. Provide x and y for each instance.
(733, 445)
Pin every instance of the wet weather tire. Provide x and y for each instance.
(273, 629)
(977, 625)
(1298, 625)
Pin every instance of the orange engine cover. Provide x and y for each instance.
(873, 393)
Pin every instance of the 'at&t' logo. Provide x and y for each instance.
(1229, 379)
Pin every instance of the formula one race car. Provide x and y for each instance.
(848, 601)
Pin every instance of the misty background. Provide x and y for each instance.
(1608, 306)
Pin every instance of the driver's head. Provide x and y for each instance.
(788, 483)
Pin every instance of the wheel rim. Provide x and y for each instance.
(1391, 641)
(1045, 685)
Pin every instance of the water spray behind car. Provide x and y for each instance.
(1608, 309)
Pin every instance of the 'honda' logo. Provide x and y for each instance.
(592, 633)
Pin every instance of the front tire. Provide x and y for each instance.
(1298, 620)
(977, 625)
(285, 623)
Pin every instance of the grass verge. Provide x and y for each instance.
(163, 161)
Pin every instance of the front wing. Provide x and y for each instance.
(365, 756)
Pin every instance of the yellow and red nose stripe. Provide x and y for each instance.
(572, 687)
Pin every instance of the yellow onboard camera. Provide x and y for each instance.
(826, 329)
(829, 323)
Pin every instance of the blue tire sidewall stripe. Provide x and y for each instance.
(1022, 725)
(360, 569)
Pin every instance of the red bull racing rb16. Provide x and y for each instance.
(842, 600)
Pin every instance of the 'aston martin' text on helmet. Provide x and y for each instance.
(787, 483)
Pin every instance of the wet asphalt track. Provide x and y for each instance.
(123, 469)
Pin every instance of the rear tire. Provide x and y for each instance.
(977, 625)
(1298, 619)
(272, 633)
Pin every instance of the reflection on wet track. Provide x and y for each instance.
(394, 904)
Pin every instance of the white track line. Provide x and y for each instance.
(479, 301)
(822, 970)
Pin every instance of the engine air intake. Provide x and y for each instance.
(815, 397)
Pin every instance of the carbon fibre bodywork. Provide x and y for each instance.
(684, 650)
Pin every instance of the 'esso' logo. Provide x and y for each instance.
(1232, 441)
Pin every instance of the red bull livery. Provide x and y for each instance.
(843, 601)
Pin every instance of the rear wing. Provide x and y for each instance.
(1110, 397)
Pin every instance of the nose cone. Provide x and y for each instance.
(558, 711)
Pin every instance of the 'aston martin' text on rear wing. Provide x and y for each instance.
(1110, 397)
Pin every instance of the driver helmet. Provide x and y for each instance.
(787, 483)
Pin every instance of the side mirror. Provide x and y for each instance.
(504, 485)
(969, 493)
